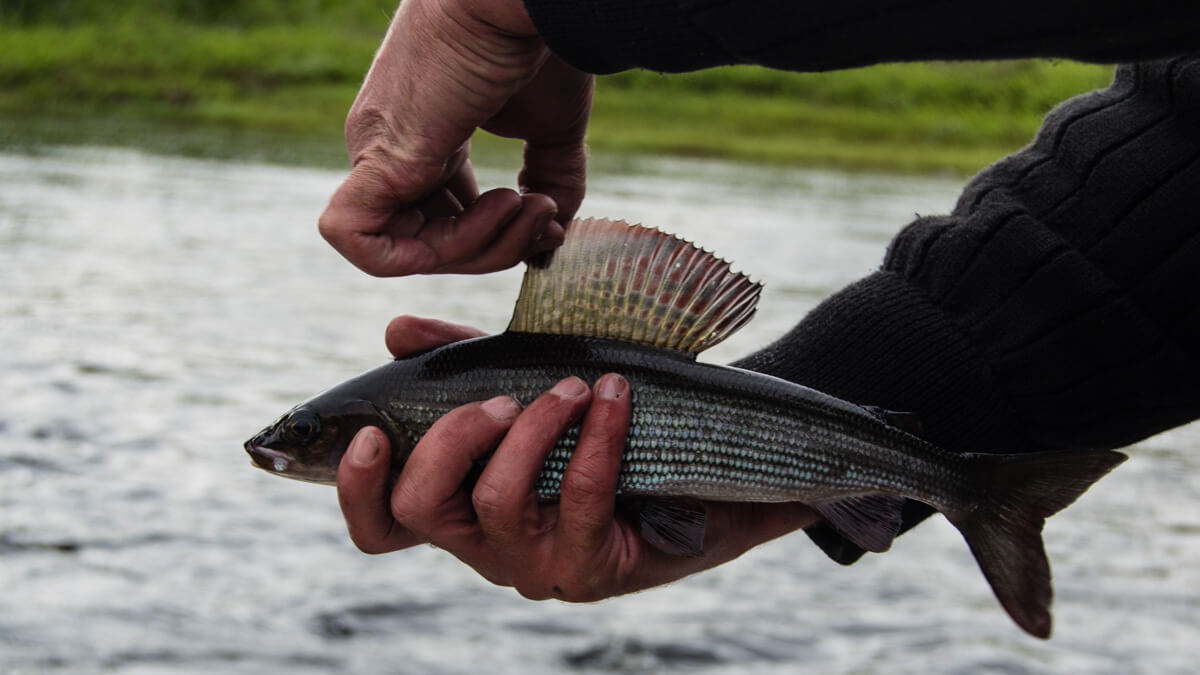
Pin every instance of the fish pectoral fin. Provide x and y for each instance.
(673, 526)
(870, 522)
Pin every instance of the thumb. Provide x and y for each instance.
(559, 171)
(362, 486)
(556, 153)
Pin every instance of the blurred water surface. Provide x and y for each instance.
(156, 311)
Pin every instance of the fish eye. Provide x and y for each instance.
(304, 424)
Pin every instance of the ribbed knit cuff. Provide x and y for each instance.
(608, 37)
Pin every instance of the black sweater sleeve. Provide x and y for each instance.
(606, 36)
(1055, 307)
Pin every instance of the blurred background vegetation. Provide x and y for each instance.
(274, 78)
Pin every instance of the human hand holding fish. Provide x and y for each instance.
(411, 204)
(579, 551)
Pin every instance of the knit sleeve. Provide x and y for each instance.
(1055, 307)
(605, 36)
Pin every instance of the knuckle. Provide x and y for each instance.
(380, 174)
(408, 509)
(582, 487)
(494, 577)
(466, 429)
(489, 501)
(575, 498)
(533, 591)
(332, 226)
(574, 588)
(367, 124)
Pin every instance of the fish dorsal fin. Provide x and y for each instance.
(627, 282)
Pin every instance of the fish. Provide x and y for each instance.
(634, 300)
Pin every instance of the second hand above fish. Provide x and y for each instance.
(633, 300)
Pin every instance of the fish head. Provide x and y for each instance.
(307, 443)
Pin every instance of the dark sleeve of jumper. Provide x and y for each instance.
(606, 36)
(1057, 306)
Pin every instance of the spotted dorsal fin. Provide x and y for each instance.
(627, 282)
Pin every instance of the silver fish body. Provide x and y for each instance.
(698, 430)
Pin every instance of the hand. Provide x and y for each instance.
(411, 204)
(577, 550)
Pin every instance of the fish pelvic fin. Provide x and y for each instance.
(673, 525)
(1004, 527)
(870, 522)
(627, 282)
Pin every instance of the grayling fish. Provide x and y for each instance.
(628, 299)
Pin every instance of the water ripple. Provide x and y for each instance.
(627, 655)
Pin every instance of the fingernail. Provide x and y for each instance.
(501, 408)
(570, 387)
(364, 448)
(611, 387)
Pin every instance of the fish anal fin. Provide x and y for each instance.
(673, 526)
(870, 522)
(1004, 528)
(627, 282)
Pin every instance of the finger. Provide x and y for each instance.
(459, 240)
(407, 335)
(462, 184)
(429, 499)
(441, 203)
(558, 171)
(530, 232)
(362, 489)
(486, 238)
(556, 161)
(504, 497)
(586, 514)
(732, 528)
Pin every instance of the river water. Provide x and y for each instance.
(156, 311)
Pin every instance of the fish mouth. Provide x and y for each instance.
(272, 461)
(282, 464)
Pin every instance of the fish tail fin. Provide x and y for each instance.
(1004, 527)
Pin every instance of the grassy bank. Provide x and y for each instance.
(911, 117)
(253, 80)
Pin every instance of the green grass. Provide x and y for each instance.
(256, 73)
(910, 117)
